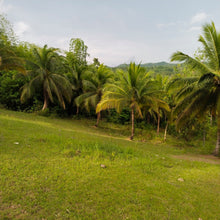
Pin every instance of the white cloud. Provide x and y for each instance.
(20, 28)
(195, 28)
(4, 8)
(199, 17)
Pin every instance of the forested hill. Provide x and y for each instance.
(157, 64)
(163, 68)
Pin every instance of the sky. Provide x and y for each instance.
(115, 31)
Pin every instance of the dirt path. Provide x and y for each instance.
(202, 158)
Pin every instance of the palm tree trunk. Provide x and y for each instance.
(165, 132)
(46, 101)
(132, 123)
(98, 118)
(158, 123)
(77, 110)
(216, 151)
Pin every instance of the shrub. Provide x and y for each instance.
(10, 84)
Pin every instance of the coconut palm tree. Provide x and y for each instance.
(158, 109)
(161, 108)
(205, 94)
(93, 84)
(75, 76)
(132, 88)
(44, 70)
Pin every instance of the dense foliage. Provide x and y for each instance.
(65, 84)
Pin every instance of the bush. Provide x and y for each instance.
(34, 106)
(45, 113)
(121, 118)
(10, 84)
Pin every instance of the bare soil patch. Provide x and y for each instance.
(202, 158)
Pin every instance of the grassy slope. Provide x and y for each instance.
(54, 173)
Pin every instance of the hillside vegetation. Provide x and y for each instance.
(182, 99)
(159, 68)
(80, 140)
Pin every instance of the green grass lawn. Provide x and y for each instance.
(51, 169)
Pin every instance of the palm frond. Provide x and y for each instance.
(110, 103)
(211, 43)
(26, 93)
(80, 99)
(205, 77)
(194, 104)
(185, 91)
(193, 63)
(178, 83)
(54, 88)
(63, 85)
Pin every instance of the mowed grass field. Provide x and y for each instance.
(51, 169)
